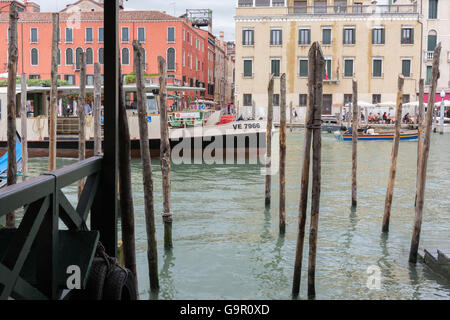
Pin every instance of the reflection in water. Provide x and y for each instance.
(226, 245)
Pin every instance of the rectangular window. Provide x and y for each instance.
(378, 36)
(348, 68)
(340, 6)
(275, 67)
(276, 100)
(248, 68)
(432, 9)
(171, 34)
(303, 100)
(407, 36)
(89, 79)
(277, 3)
(349, 35)
(303, 67)
(248, 37)
(327, 69)
(300, 7)
(69, 35)
(406, 68)
(35, 76)
(70, 79)
(428, 79)
(141, 35)
(327, 103)
(245, 3)
(357, 7)
(34, 35)
(348, 98)
(405, 98)
(89, 35)
(377, 68)
(247, 100)
(320, 6)
(326, 36)
(304, 36)
(376, 98)
(101, 35)
(125, 34)
(432, 40)
(276, 37)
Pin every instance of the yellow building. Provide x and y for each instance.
(373, 41)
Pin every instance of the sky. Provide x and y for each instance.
(223, 11)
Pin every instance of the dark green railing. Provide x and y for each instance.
(35, 256)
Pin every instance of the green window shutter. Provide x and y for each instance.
(303, 68)
(412, 36)
(373, 36)
(343, 36)
(271, 36)
(348, 72)
(431, 42)
(354, 36)
(377, 68)
(382, 35)
(252, 37)
(243, 36)
(406, 68)
(429, 70)
(248, 68)
(329, 69)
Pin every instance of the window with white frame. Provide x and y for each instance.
(303, 67)
(276, 38)
(34, 57)
(248, 37)
(326, 35)
(377, 67)
(101, 34)
(304, 36)
(348, 67)
(89, 36)
(248, 67)
(171, 34)
(69, 35)
(349, 36)
(406, 67)
(275, 66)
(141, 34)
(125, 34)
(34, 35)
(378, 35)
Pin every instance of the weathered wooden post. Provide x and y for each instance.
(421, 129)
(282, 194)
(355, 142)
(97, 110)
(425, 150)
(316, 170)
(253, 110)
(11, 105)
(393, 168)
(82, 116)
(165, 154)
(316, 68)
(152, 253)
(291, 111)
(125, 186)
(340, 116)
(269, 142)
(53, 94)
(23, 126)
(348, 113)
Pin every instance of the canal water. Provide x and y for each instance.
(226, 245)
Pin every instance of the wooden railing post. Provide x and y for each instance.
(82, 116)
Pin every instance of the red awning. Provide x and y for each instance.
(437, 98)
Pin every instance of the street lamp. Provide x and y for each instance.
(441, 119)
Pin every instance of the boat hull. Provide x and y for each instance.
(382, 137)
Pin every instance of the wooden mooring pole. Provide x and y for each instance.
(423, 162)
(53, 94)
(319, 62)
(253, 110)
(23, 124)
(282, 205)
(97, 110)
(355, 142)
(420, 122)
(11, 105)
(165, 154)
(268, 189)
(125, 186)
(291, 111)
(82, 116)
(393, 168)
(314, 81)
(152, 253)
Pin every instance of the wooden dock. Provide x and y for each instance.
(438, 260)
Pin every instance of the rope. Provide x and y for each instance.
(314, 125)
(110, 262)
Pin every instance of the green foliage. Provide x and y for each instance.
(131, 77)
(35, 82)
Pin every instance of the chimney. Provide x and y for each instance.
(222, 35)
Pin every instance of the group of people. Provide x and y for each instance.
(378, 118)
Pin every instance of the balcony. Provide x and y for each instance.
(428, 55)
(353, 10)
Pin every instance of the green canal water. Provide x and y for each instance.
(226, 245)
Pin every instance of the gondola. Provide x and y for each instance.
(4, 162)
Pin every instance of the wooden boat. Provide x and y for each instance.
(382, 136)
(4, 162)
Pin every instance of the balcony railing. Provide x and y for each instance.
(429, 55)
(353, 10)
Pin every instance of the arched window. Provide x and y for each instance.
(432, 40)
(101, 55)
(77, 58)
(89, 56)
(34, 57)
(69, 56)
(171, 59)
(125, 56)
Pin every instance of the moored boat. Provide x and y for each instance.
(380, 136)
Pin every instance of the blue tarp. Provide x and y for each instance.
(4, 159)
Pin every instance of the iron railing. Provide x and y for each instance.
(35, 257)
(353, 10)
